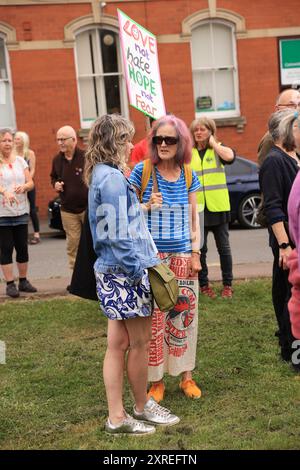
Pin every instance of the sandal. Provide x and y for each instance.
(34, 240)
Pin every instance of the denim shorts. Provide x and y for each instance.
(119, 300)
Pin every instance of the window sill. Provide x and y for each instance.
(239, 122)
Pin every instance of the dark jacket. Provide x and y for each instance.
(74, 197)
(83, 281)
(276, 178)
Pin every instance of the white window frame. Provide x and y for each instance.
(99, 72)
(8, 80)
(220, 114)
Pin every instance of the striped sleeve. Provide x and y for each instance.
(136, 175)
(195, 186)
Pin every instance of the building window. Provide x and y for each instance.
(101, 83)
(7, 116)
(215, 78)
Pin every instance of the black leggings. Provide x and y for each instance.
(13, 237)
(33, 210)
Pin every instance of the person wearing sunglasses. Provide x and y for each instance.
(169, 201)
(66, 178)
(123, 256)
(209, 158)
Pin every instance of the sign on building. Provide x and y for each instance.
(140, 59)
(289, 53)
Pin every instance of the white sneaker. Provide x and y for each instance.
(129, 426)
(156, 414)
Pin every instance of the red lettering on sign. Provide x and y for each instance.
(126, 28)
(132, 30)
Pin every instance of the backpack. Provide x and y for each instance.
(147, 170)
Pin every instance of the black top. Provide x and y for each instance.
(215, 218)
(75, 194)
(276, 178)
(83, 281)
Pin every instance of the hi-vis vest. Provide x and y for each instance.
(210, 171)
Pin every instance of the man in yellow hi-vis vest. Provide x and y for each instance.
(208, 160)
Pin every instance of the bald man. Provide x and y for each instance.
(66, 178)
(288, 99)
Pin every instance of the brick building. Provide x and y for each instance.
(60, 63)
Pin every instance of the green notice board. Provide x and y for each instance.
(289, 50)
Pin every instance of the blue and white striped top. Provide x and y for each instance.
(169, 226)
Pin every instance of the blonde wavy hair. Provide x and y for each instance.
(107, 143)
(25, 137)
(2, 134)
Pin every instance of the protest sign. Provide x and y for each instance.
(140, 58)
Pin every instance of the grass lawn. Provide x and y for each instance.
(52, 394)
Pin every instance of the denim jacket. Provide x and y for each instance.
(121, 238)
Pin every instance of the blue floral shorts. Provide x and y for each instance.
(119, 300)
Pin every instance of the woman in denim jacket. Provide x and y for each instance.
(124, 250)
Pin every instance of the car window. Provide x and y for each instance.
(239, 167)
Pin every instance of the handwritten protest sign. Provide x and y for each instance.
(140, 58)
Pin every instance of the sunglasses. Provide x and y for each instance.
(168, 140)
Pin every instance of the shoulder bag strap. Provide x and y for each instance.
(188, 175)
(154, 180)
(146, 173)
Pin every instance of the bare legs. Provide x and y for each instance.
(139, 333)
(187, 375)
(8, 271)
(113, 368)
(22, 267)
(133, 336)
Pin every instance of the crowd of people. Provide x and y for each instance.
(160, 212)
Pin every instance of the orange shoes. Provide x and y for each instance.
(190, 389)
(157, 391)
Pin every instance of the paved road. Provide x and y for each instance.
(250, 247)
(48, 266)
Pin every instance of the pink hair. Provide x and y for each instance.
(184, 146)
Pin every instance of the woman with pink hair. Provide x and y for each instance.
(168, 196)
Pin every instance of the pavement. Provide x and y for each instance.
(49, 272)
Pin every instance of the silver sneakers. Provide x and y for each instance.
(129, 426)
(156, 414)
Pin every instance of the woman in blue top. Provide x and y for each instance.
(173, 223)
(124, 250)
